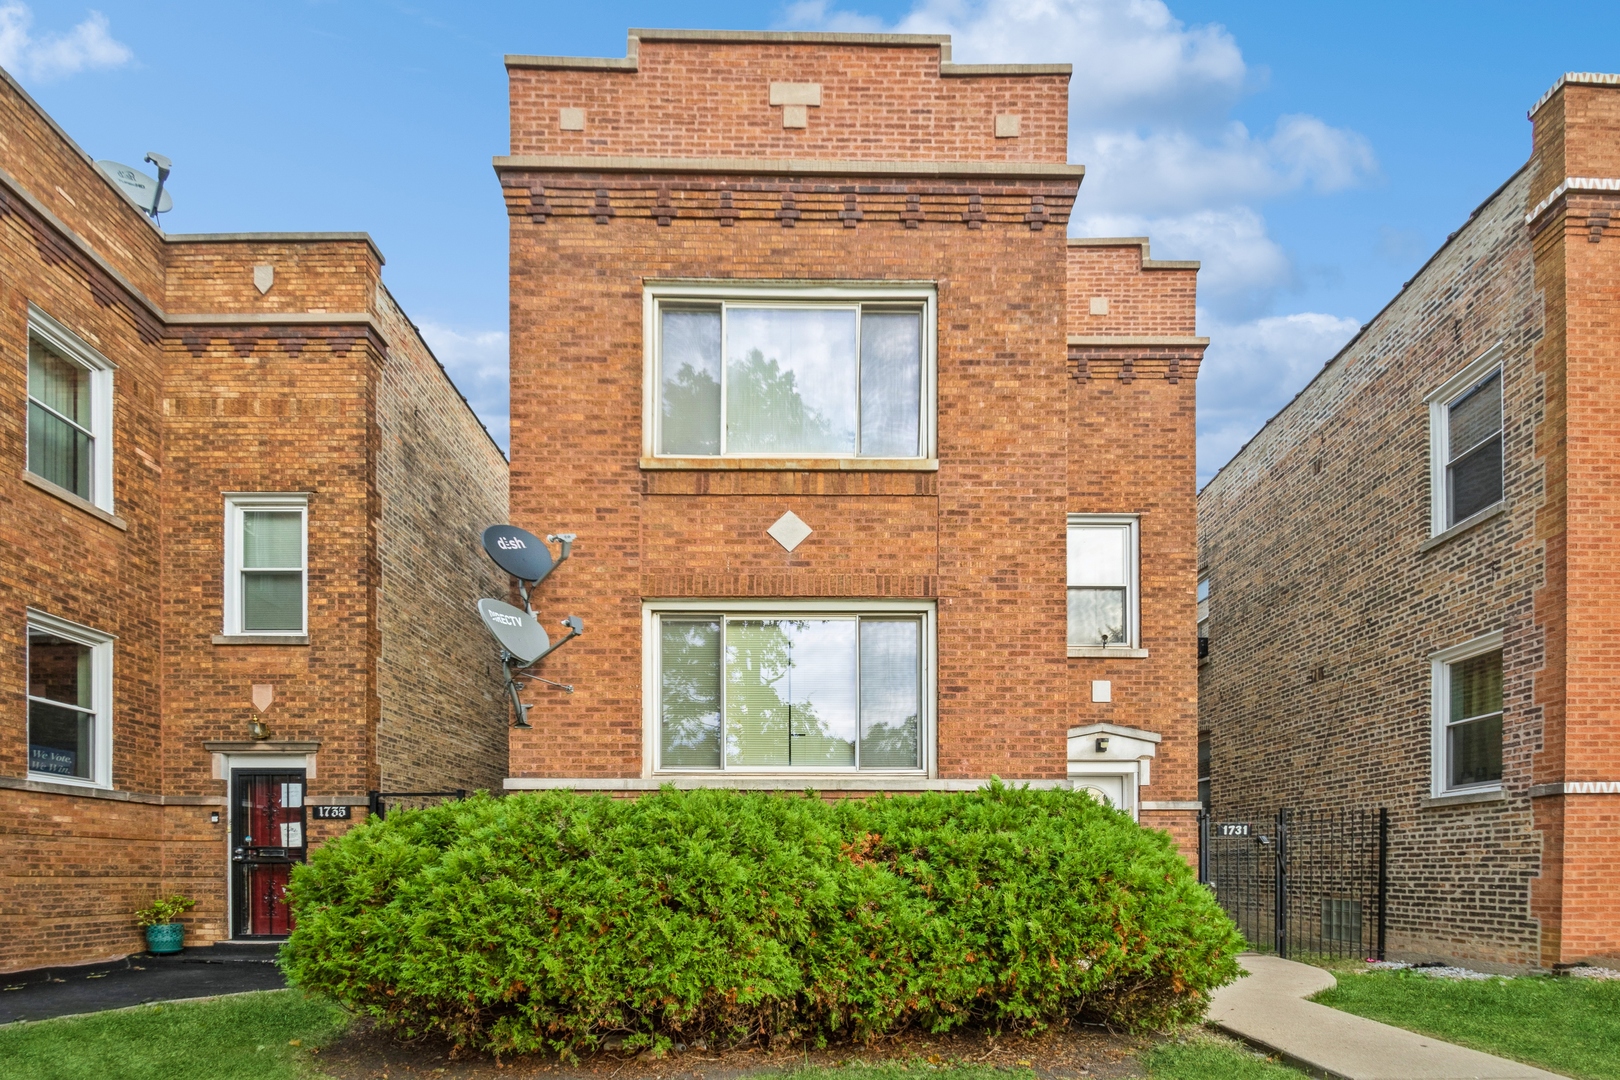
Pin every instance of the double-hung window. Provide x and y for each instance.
(761, 687)
(69, 701)
(1103, 604)
(790, 373)
(1468, 716)
(266, 564)
(70, 389)
(1203, 618)
(1465, 435)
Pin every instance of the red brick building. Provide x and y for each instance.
(881, 483)
(1413, 592)
(238, 490)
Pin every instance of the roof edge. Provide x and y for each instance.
(276, 237)
(1027, 170)
(1148, 262)
(1572, 78)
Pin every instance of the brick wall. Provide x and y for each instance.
(442, 481)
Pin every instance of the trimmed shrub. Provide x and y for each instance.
(549, 921)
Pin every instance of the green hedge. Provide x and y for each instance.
(553, 920)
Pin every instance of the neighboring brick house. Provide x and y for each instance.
(859, 448)
(234, 472)
(1414, 577)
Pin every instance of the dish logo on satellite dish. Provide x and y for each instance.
(509, 543)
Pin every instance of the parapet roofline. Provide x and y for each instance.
(276, 238)
(1148, 263)
(1572, 78)
(631, 60)
(610, 163)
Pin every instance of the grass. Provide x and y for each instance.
(262, 1036)
(1569, 1026)
(267, 1036)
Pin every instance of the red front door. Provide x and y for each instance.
(267, 837)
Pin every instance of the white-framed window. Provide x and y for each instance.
(1467, 716)
(266, 564)
(1103, 601)
(789, 371)
(1465, 443)
(70, 411)
(69, 701)
(789, 686)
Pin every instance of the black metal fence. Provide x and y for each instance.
(380, 802)
(1301, 882)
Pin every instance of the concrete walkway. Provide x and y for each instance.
(1267, 1008)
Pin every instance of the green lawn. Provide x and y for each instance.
(1569, 1026)
(266, 1036)
(242, 1037)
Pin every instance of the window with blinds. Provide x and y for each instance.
(1474, 450)
(69, 413)
(266, 572)
(768, 692)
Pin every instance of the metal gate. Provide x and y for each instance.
(1303, 882)
(380, 802)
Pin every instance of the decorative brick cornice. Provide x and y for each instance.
(288, 337)
(1569, 184)
(1572, 78)
(712, 586)
(786, 202)
(1128, 360)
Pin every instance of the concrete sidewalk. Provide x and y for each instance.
(1267, 1008)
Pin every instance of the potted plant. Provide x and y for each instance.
(161, 918)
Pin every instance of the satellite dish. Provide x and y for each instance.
(519, 632)
(518, 552)
(137, 186)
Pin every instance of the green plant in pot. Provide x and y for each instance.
(161, 918)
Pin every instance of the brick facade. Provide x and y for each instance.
(684, 171)
(318, 385)
(1328, 594)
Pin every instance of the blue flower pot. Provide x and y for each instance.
(165, 937)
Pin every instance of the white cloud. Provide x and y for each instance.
(477, 363)
(88, 45)
(1254, 368)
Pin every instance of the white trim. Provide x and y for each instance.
(235, 503)
(652, 610)
(865, 781)
(1439, 402)
(64, 341)
(1132, 646)
(1568, 184)
(1440, 663)
(101, 696)
(810, 293)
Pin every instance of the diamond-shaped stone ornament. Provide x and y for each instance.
(789, 531)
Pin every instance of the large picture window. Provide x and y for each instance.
(1468, 716)
(69, 412)
(824, 373)
(69, 701)
(266, 555)
(798, 690)
(1102, 583)
(1465, 435)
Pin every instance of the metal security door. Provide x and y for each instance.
(267, 838)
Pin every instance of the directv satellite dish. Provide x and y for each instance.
(519, 632)
(138, 187)
(518, 552)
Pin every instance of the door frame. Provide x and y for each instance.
(260, 765)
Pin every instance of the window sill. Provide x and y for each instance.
(1464, 525)
(1465, 798)
(845, 464)
(84, 790)
(1107, 652)
(260, 639)
(74, 501)
(758, 782)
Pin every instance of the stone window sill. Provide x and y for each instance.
(260, 639)
(1465, 798)
(846, 464)
(1107, 652)
(1467, 524)
(74, 501)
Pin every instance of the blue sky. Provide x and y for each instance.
(1313, 155)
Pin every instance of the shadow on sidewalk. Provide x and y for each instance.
(196, 972)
